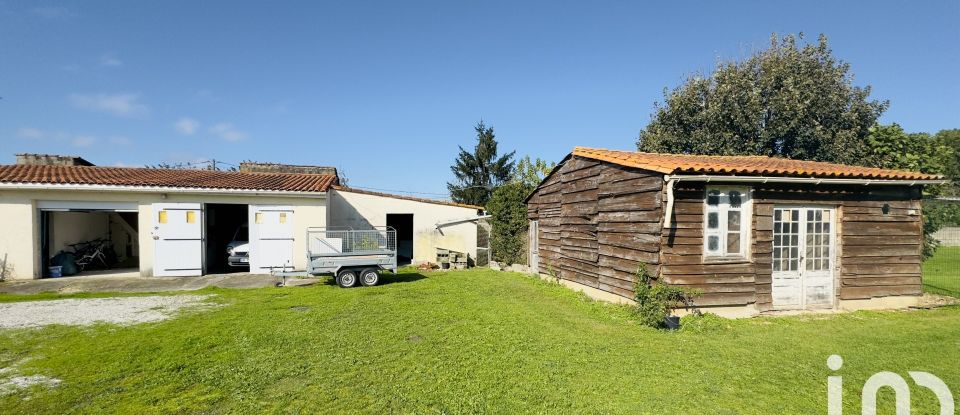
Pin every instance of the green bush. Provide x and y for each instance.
(509, 220)
(656, 300)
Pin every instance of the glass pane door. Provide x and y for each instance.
(802, 257)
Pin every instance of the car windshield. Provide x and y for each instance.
(242, 234)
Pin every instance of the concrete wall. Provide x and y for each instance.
(19, 223)
(360, 211)
(948, 236)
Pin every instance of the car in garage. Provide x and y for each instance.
(238, 250)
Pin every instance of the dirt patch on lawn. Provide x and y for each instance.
(12, 381)
(86, 311)
(930, 300)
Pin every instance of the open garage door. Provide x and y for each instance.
(271, 237)
(88, 238)
(178, 236)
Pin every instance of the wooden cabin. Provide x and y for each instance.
(751, 233)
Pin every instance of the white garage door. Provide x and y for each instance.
(178, 239)
(271, 237)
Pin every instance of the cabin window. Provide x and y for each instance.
(727, 222)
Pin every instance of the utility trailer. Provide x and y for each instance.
(349, 255)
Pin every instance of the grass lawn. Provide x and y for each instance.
(474, 341)
(941, 274)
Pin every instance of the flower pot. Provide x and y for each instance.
(671, 322)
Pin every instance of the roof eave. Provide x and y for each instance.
(161, 189)
(810, 180)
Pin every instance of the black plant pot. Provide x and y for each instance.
(671, 322)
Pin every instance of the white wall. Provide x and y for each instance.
(18, 227)
(72, 227)
(359, 211)
(19, 223)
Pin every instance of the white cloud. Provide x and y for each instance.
(227, 132)
(53, 12)
(121, 105)
(63, 138)
(110, 60)
(186, 126)
(83, 141)
(30, 133)
(119, 140)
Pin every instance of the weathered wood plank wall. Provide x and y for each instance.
(877, 254)
(599, 222)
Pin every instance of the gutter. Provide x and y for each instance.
(456, 221)
(161, 189)
(672, 179)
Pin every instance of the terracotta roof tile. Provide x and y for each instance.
(146, 177)
(743, 165)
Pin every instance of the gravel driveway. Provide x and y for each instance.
(80, 312)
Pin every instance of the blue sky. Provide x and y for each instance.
(387, 90)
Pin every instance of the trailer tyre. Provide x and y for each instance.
(347, 278)
(369, 277)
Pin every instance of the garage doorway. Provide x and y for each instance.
(403, 224)
(226, 236)
(89, 239)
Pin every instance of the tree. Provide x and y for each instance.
(531, 172)
(509, 220)
(790, 101)
(950, 140)
(481, 172)
(893, 148)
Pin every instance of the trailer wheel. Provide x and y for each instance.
(347, 278)
(369, 277)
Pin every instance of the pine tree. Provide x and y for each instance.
(481, 172)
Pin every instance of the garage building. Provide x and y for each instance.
(173, 222)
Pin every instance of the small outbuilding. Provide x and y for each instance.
(751, 233)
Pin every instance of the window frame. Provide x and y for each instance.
(722, 231)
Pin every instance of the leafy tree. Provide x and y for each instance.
(531, 172)
(481, 172)
(950, 140)
(893, 148)
(509, 220)
(790, 101)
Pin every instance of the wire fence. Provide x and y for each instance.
(941, 272)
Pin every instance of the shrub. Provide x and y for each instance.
(656, 300)
(508, 239)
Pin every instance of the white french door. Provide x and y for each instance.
(803, 257)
